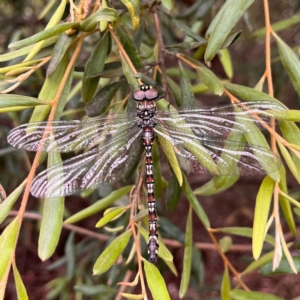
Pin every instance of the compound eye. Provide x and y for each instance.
(139, 95)
(151, 94)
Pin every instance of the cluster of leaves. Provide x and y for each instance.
(132, 39)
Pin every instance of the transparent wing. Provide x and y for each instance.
(66, 136)
(104, 163)
(220, 157)
(219, 121)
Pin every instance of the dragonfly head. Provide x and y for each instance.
(146, 93)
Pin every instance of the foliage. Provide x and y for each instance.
(92, 56)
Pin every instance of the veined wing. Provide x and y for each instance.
(66, 136)
(221, 120)
(220, 157)
(104, 163)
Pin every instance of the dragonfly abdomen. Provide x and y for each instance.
(148, 138)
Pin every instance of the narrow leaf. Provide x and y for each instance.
(8, 240)
(225, 20)
(101, 101)
(116, 212)
(247, 94)
(129, 47)
(155, 282)
(226, 62)
(262, 207)
(133, 7)
(59, 50)
(94, 64)
(195, 203)
(7, 204)
(289, 161)
(21, 290)
(187, 95)
(290, 62)
(216, 185)
(173, 192)
(225, 286)
(52, 220)
(187, 257)
(103, 14)
(112, 253)
(55, 19)
(51, 32)
(244, 295)
(19, 100)
(99, 205)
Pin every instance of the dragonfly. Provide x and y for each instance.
(115, 142)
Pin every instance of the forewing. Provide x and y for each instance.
(66, 136)
(221, 120)
(104, 163)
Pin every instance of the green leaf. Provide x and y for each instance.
(23, 51)
(216, 185)
(262, 207)
(187, 95)
(129, 47)
(289, 161)
(278, 26)
(112, 253)
(187, 45)
(168, 148)
(225, 286)
(60, 49)
(46, 34)
(226, 18)
(70, 255)
(173, 192)
(99, 205)
(195, 203)
(103, 14)
(94, 64)
(283, 268)
(226, 62)
(244, 295)
(101, 101)
(290, 62)
(21, 290)
(10, 100)
(231, 38)
(247, 93)
(175, 91)
(284, 203)
(244, 231)
(49, 91)
(52, 220)
(55, 19)
(207, 76)
(293, 115)
(7, 204)
(8, 240)
(110, 70)
(260, 262)
(185, 29)
(155, 282)
(187, 257)
(112, 214)
(133, 7)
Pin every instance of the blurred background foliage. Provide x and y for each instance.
(68, 273)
